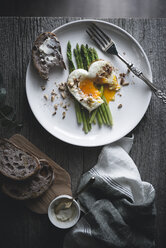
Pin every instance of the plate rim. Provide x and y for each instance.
(150, 76)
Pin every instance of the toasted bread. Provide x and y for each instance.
(15, 163)
(31, 188)
(46, 53)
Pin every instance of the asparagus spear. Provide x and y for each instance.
(84, 62)
(109, 115)
(71, 68)
(85, 57)
(76, 57)
(93, 115)
(69, 56)
(78, 112)
(85, 126)
(102, 114)
(79, 56)
(101, 90)
(99, 119)
(95, 54)
(91, 55)
(87, 119)
(104, 111)
(94, 121)
(84, 116)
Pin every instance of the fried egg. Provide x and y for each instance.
(83, 84)
(83, 89)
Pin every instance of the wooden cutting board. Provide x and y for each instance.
(61, 184)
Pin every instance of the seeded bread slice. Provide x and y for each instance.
(15, 163)
(33, 187)
(46, 53)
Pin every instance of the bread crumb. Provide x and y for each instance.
(71, 84)
(122, 81)
(56, 106)
(46, 97)
(63, 115)
(63, 95)
(53, 93)
(122, 75)
(65, 107)
(125, 84)
(52, 98)
(62, 87)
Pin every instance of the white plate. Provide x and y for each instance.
(135, 97)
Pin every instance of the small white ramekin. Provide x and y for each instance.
(68, 223)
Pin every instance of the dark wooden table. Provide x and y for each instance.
(18, 226)
(91, 8)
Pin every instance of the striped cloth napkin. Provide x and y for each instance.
(118, 208)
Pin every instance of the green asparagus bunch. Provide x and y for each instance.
(84, 56)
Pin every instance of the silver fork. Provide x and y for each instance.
(107, 45)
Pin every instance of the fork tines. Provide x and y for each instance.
(100, 38)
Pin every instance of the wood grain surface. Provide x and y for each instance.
(20, 227)
(90, 8)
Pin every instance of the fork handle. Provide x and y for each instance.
(159, 93)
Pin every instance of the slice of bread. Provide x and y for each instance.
(46, 53)
(15, 163)
(33, 187)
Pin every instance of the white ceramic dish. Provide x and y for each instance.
(135, 97)
(63, 224)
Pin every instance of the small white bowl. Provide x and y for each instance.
(63, 224)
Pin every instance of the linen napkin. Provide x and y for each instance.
(119, 206)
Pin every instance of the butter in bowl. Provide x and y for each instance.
(64, 212)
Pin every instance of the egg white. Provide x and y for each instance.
(97, 72)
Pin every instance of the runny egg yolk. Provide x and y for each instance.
(88, 88)
(109, 94)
